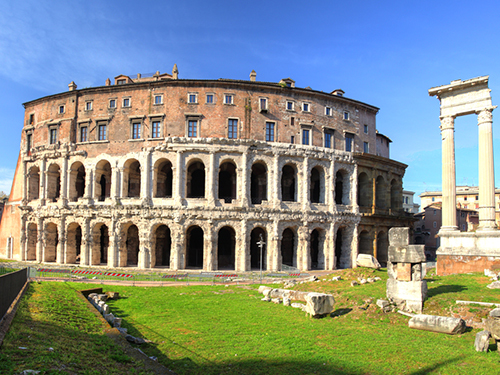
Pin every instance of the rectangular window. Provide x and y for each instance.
(346, 115)
(228, 99)
(348, 142)
(155, 129)
(328, 111)
(328, 139)
(232, 132)
(61, 109)
(32, 118)
(192, 128)
(210, 98)
(292, 120)
(305, 136)
(158, 99)
(126, 102)
(101, 136)
(263, 104)
(120, 82)
(365, 147)
(305, 107)
(112, 103)
(88, 106)
(83, 134)
(192, 99)
(136, 130)
(366, 129)
(270, 131)
(53, 136)
(289, 106)
(28, 141)
(292, 139)
(465, 198)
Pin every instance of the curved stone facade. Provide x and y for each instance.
(188, 174)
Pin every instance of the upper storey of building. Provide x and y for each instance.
(133, 113)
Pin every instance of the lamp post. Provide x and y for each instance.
(261, 244)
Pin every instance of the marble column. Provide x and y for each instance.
(486, 171)
(449, 210)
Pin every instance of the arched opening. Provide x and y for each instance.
(33, 183)
(258, 183)
(317, 183)
(227, 182)
(51, 242)
(342, 187)
(225, 248)
(196, 180)
(100, 244)
(132, 179)
(396, 197)
(341, 253)
(163, 178)
(364, 190)
(288, 182)
(256, 236)
(73, 243)
(288, 251)
(365, 243)
(103, 180)
(32, 241)
(194, 247)
(132, 245)
(76, 181)
(382, 248)
(380, 193)
(316, 250)
(163, 245)
(53, 183)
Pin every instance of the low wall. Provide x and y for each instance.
(453, 264)
(10, 286)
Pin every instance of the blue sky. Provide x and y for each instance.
(385, 53)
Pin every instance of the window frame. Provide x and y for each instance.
(114, 104)
(292, 103)
(232, 128)
(189, 131)
(306, 134)
(328, 111)
(270, 131)
(226, 96)
(160, 101)
(100, 136)
(365, 129)
(351, 143)
(84, 129)
(212, 95)
(89, 105)
(263, 104)
(62, 109)
(136, 129)
(193, 95)
(346, 116)
(129, 100)
(306, 107)
(328, 136)
(159, 130)
(366, 147)
(53, 131)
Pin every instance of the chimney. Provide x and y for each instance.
(72, 86)
(108, 82)
(175, 72)
(138, 75)
(253, 76)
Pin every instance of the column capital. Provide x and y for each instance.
(485, 115)
(447, 122)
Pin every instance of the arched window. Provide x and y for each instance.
(316, 187)
(103, 180)
(196, 180)
(227, 182)
(132, 179)
(194, 248)
(258, 183)
(163, 178)
(288, 182)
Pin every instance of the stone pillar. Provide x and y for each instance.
(64, 181)
(115, 191)
(244, 187)
(178, 190)
(176, 253)
(61, 243)
(374, 193)
(209, 249)
(86, 247)
(331, 265)
(353, 199)
(89, 179)
(330, 187)
(146, 177)
(273, 248)
(24, 239)
(303, 254)
(113, 244)
(486, 171)
(375, 237)
(144, 260)
(305, 184)
(449, 210)
(275, 179)
(210, 185)
(354, 246)
(242, 256)
(42, 191)
(25, 180)
(40, 239)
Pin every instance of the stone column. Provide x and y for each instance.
(86, 247)
(61, 243)
(331, 249)
(25, 180)
(276, 183)
(113, 244)
(24, 239)
(353, 199)
(449, 210)
(144, 260)
(244, 187)
(354, 246)
(210, 186)
(374, 193)
(242, 250)
(209, 253)
(305, 182)
(178, 190)
(176, 253)
(303, 255)
(39, 243)
(273, 248)
(115, 191)
(42, 191)
(64, 181)
(375, 237)
(89, 179)
(486, 171)
(146, 177)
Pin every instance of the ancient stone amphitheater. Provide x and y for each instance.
(157, 171)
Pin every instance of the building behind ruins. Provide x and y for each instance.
(157, 171)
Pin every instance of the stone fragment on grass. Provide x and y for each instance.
(354, 283)
(376, 278)
(482, 341)
(117, 322)
(286, 301)
(262, 288)
(113, 295)
(367, 260)
(495, 313)
(311, 278)
(122, 330)
(336, 278)
(266, 299)
(103, 297)
(109, 318)
(492, 325)
(382, 303)
(276, 300)
(297, 305)
(370, 280)
(105, 309)
(489, 273)
(362, 281)
(439, 324)
(319, 304)
(494, 285)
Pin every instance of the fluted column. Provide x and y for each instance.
(449, 182)
(486, 171)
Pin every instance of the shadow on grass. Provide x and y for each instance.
(434, 367)
(445, 289)
(340, 312)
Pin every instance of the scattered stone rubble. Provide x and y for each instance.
(492, 325)
(439, 324)
(317, 304)
(367, 260)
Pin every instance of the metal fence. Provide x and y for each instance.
(10, 285)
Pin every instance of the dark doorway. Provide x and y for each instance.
(195, 247)
(255, 237)
(315, 186)
(227, 182)
(132, 245)
(288, 247)
(196, 180)
(315, 250)
(163, 246)
(258, 183)
(225, 248)
(288, 184)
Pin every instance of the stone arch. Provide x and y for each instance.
(132, 244)
(226, 243)
(365, 190)
(103, 180)
(32, 241)
(317, 185)
(227, 181)
(342, 249)
(76, 181)
(382, 248)
(162, 245)
(73, 243)
(132, 179)
(317, 249)
(289, 183)
(100, 244)
(33, 183)
(53, 182)
(194, 247)
(396, 196)
(342, 187)
(365, 243)
(195, 181)
(289, 248)
(255, 237)
(380, 193)
(258, 183)
(51, 242)
(163, 178)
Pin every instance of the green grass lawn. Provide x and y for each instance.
(229, 330)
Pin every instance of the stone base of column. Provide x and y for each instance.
(448, 229)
